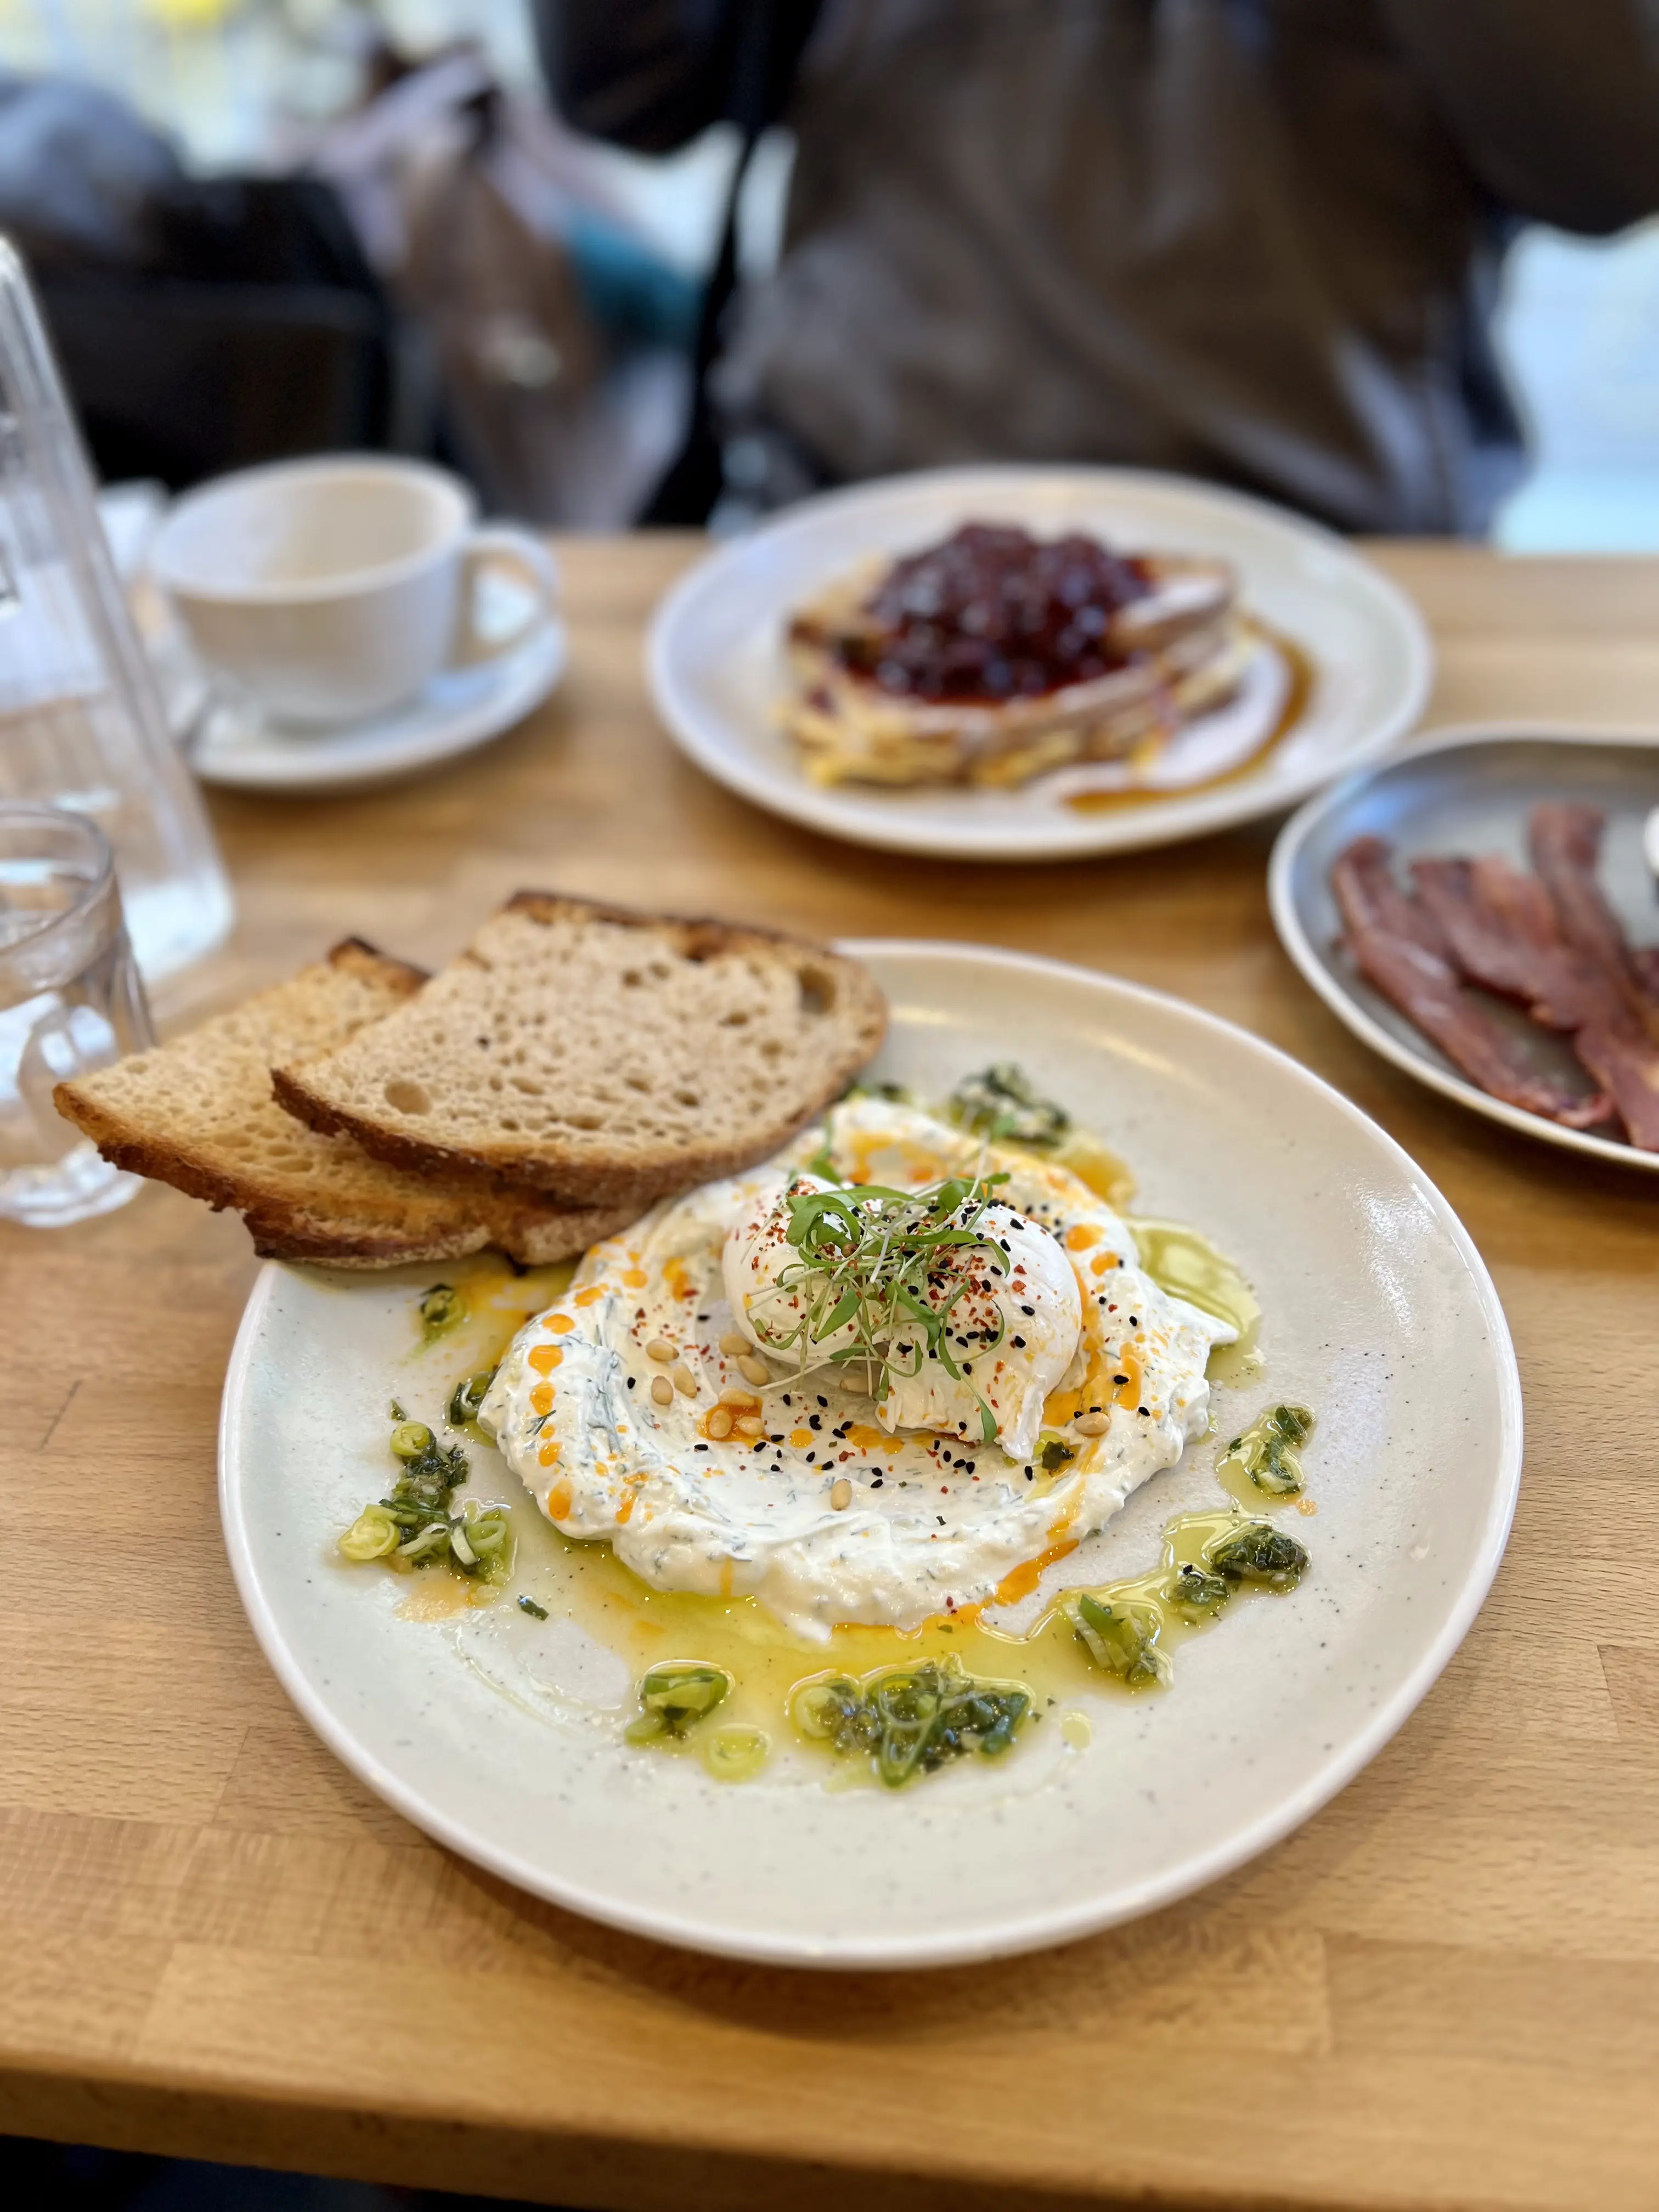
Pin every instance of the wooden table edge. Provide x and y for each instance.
(202, 2117)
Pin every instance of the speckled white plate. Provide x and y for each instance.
(1378, 1314)
(716, 665)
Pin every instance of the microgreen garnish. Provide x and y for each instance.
(870, 1261)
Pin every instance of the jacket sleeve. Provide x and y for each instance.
(1554, 103)
(649, 74)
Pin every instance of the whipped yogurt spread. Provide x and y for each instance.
(633, 1412)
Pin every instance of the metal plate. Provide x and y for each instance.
(1468, 791)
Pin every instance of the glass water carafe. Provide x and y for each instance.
(81, 721)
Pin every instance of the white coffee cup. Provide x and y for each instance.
(334, 589)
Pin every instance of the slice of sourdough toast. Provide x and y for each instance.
(199, 1114)
(601, 1055)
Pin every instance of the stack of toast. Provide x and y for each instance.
(574, 1064)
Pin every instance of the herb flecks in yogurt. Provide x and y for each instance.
(723, 1469)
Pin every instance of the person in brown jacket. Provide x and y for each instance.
(1254, 240)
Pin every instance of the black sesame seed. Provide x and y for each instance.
(1144, 1409)
(630, 1382)
(1028, 1311)
(1019, 1344)
(699, 1447)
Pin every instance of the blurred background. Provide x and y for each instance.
(338, 224)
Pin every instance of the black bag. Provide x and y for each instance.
(767, 50)
(202, 324)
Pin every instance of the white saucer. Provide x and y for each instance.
(716, 665)
(463, 707)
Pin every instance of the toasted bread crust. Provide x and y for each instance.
(456, 1215)
(359, 957)
(577, 1176)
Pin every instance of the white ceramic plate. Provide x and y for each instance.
(1467, 791)
(458, 710)
(1379, 1314)
(716, 666)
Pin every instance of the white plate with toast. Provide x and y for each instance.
(718, 668)
(493, 1730)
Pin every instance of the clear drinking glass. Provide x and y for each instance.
(81, 721)
(70, 1002)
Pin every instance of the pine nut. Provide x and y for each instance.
(840, 1493)
(660, 1348)
(662, 1391)
(748, 1425)
(732, 1345)
(1094, 1424)
(720, 1424)
(743, 1400)
(683, 1379)
(754, 1370)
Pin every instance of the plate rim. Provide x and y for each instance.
(1035, 1931)
(1359, 1022)
(1222, 806)
(529, 672)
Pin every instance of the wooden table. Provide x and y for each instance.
(1443, 1991)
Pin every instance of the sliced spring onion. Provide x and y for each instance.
(1120, 1637)
(372, 1535)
